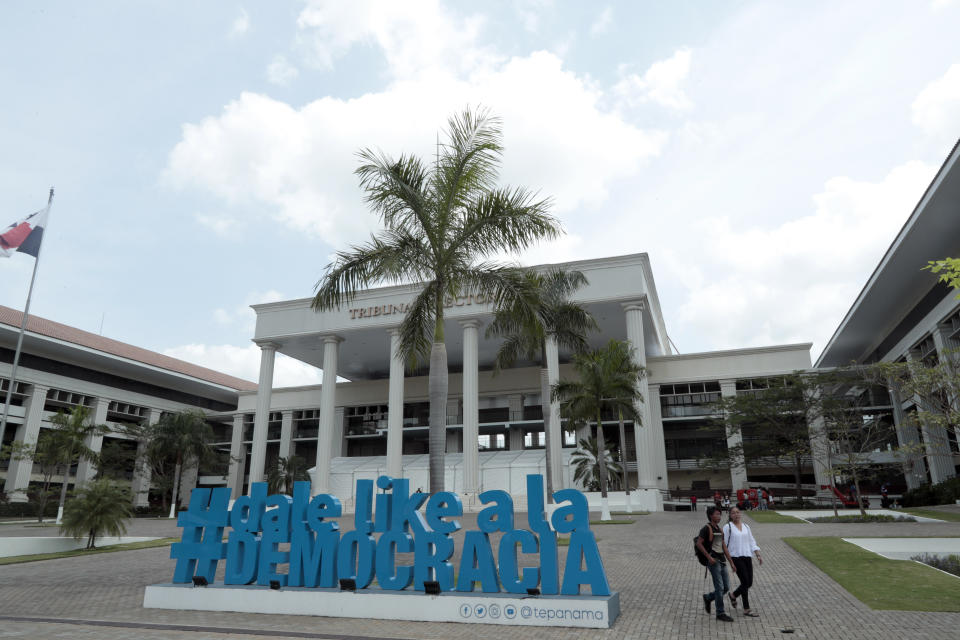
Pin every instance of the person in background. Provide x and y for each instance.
(693, 502)
(742, 548)
(710, 543)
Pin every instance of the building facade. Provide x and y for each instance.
(903, 313)
(62, 367)
(377, 421)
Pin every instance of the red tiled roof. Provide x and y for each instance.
(52, 329)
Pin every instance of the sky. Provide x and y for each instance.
(763, 154)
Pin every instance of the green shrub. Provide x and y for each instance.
(860, 518)
(950, 564)
(946, 492)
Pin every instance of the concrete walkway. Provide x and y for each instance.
(906, 548)
(650, 562)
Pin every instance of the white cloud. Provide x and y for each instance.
(661, 83)
(414, 42)
(242, 316)
(241, 24)
(298, 163)
(220, 224)
(244, 362)
(936, 109)
(602, 24)
(281, 72)
(792, 282)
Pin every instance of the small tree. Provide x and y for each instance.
(70, 444)
(184, 438)
(99, 507)
(853, 430)
(280, 477)
(529, 321)
(46, 456)
(586, 465)
(608, 384)
(773, 425)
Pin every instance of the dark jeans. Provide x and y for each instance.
(744, 565)
(721, 583)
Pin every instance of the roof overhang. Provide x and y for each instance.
(898, 283)
(297, 330)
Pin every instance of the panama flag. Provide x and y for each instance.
(24, 235)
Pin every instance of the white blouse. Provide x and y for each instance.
(740, 542)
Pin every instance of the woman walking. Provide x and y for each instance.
(742, 547)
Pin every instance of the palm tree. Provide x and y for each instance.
(280, 477)
(99, 507)
(528, 323)
(443, 226)
(185, 438)
(609, 383)
(70, 441)
(586, 464)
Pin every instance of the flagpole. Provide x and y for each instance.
(23, 327)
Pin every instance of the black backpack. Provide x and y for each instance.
(701, 558)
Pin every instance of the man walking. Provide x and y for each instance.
(711, 544)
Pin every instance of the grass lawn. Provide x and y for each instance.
(162, 542)
(949, 516)
(880, 583)
(772, 517)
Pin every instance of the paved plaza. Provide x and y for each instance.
(649, 562)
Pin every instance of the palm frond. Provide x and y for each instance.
(393, 256)
(505, 219)
(417, 328)
(395, 190)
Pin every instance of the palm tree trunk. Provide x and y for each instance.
(602, 461)
(63, 489)
(856, 483)
(623, 462)
(545, 408)
(438, 384)
(176, 487)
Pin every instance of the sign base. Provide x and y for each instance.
(592, 612)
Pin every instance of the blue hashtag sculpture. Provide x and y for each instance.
(201, 547)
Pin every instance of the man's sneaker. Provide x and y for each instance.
(707, 601)
(724, 617)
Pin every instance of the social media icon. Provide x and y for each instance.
(526, 612)
(494, 610)
(480, 611)
(510, 612)
(465, 610)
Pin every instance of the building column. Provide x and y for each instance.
(915, 466)
(261, 419)
(286, 434)
(935, 442)
(395, 409)
(471, 408)
(821, 449)
(188, 482)
(140, 484)
(339, 448)
(238, 457)
(738, 472)
(945, 346)
(556, 433)
(646, 434)
(515, 433)
(328, 401)
(87, 469)
(19, 471)
(656, 419)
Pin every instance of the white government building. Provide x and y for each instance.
(375, 422)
